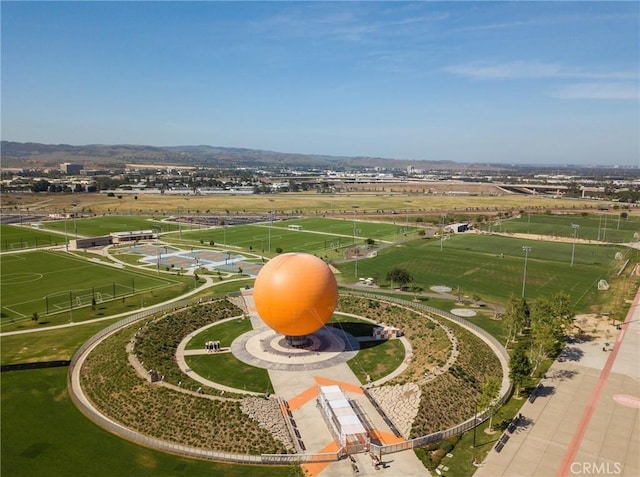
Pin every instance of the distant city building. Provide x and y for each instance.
(69, 168)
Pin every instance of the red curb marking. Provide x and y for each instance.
(595, 396)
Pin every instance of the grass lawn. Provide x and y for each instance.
(223, 332)
(491, 267)
(226, 369)
(59, 287)
(375, 358)
(50, 345)
(608, 226)
(14, 238)
(43, 434)
(360, 228)
(261, 239)
(97, 226)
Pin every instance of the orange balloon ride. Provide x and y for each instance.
(295, 294)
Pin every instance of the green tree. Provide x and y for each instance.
(488, 394)
(519, 366)
(399, 276)
(550, 317)
(516, 318)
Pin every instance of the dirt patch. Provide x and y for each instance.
(592, 326)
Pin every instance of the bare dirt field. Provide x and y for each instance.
(400, 203)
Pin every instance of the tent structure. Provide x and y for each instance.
(341, 416)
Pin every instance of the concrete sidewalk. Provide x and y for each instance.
(586, 418)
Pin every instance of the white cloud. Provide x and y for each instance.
(530, 70)
(621, 91)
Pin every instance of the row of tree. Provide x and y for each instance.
(545, 321)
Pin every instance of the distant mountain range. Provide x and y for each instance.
(30, 154)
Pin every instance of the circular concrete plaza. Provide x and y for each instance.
(464, 312)
(441, 289)
(265, 348)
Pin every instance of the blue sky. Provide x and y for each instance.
(501, 82)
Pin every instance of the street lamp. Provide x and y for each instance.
(524, 277)
(575, 235)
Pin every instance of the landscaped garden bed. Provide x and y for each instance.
(159, 411)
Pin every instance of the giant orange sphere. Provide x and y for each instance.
(295, 293)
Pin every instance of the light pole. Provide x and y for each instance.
(524, 277)
(599, 225)
(475, 421)
(442, 232)
(66, 237)
(575, 235)
(75, 226)
(355, 247)
(270, 224)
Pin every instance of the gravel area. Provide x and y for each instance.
(267, 413)
(400, 403)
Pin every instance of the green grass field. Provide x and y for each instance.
(261, 239)
(357, 226)
(44, 434)
(317, 236)
(48, 283)
(15, 238)
(609, 227)
(224, 332)
(97, 226)
(226, 369)
(492, 267)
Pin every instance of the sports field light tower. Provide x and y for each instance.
(526, 251)
(575, 236)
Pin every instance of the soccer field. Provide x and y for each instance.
(602, 227)
(47, 283)
(15, 238)
(98, 226)
(316, 236)
(492, 267)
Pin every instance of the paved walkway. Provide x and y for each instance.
(586, 418)
(298, 384)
